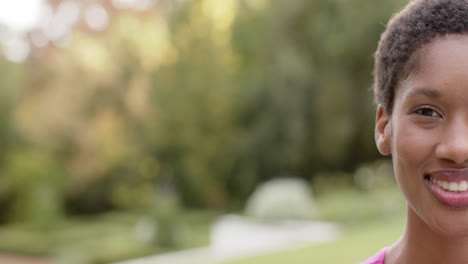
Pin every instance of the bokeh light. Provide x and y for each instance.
(96, 17)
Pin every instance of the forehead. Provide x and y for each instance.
(441, 62)
(450, 50)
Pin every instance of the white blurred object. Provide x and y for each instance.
(282, 199)
(16, 18)
(140, 5)
(145, 230)
(96, 17)
(20, 15)
(234, 236)
(190, 256)
(16, 49)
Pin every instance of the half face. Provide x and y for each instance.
(427, 136)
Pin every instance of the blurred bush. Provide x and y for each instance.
(368, 194)
(167, 215)
(282, 199)
(375, 175)
(211, 97)
(36, 182)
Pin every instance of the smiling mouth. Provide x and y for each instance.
(460, 186)
(450, 187)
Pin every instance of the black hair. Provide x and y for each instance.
(420, 22)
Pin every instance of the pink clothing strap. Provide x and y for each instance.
(378, 258)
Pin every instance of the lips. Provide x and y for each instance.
(449, 186)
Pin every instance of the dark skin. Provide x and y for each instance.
(427, 133)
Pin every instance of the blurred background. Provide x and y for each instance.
(131, 128)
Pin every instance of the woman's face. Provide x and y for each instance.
(427, 136)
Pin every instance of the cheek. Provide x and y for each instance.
(412, 148)
(411, 145)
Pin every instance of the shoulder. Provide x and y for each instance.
(377, 258)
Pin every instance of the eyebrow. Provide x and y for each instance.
(424, 91)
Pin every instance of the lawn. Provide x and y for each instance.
(368, 220)
(103, 239)
(355, 244)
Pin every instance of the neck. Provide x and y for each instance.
(421, 244)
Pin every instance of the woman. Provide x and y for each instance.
(421, 89)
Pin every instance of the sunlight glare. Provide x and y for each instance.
(20, 15)
(17, 49)
(140, 5)
(96, 17)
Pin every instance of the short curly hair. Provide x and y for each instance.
(420, 22)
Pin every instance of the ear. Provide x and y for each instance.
(383, 131)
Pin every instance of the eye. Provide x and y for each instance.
(427, 111)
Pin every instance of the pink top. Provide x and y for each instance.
(377, 258)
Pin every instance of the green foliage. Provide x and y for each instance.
(37, 184)
(284, 88)
(209, 97)
(166, 212)
(354, 207)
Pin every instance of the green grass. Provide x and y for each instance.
(369, 220)
(106, 238)
(354, 245)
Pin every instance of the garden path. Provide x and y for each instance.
(236, 237)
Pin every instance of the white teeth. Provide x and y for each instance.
(445, 185)
(453, 186)
(461, 186)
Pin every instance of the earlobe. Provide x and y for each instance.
(383, 131)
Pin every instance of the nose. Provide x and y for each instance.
(453, 144)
